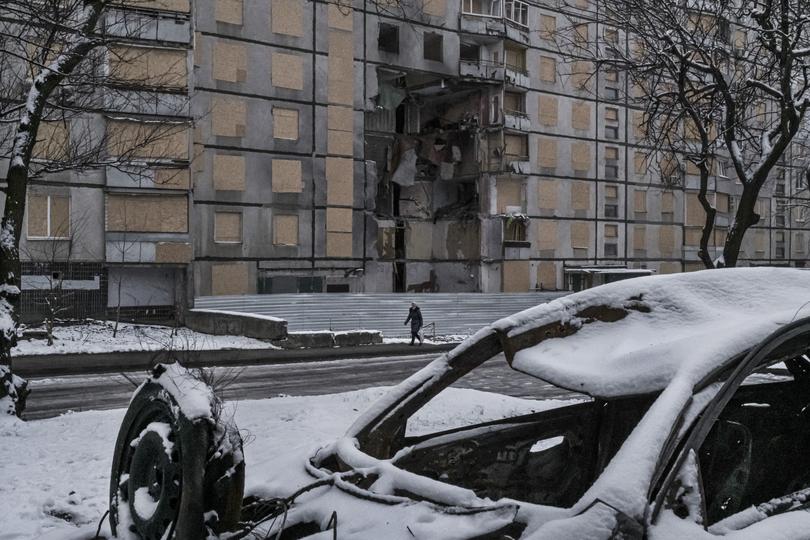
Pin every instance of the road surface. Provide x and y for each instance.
(55, 395)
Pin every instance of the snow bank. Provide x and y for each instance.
(58, 469)
(97, 337)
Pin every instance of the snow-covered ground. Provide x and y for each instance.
(54, 473)
(97, 337)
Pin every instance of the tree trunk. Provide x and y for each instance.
(10, 231)
(743, 220)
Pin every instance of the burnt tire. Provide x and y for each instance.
(174, 477)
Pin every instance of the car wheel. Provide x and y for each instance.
(174, 477)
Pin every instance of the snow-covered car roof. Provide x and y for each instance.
(635, 336)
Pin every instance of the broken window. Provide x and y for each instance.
(470, 52)
(517, 12)
(48, 216)
(433, 45)
(388, 38)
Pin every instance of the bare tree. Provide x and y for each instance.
(61, 69)
(714, 80)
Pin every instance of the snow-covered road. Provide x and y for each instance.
(53, 396)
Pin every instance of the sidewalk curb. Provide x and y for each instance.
(49, 365)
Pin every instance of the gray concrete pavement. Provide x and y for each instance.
(55, 395)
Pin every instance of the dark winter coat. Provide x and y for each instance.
(415, 317)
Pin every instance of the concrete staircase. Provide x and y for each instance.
(452, 313)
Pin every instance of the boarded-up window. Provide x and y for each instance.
(340, 123)
(667, 202)
(666, 240)
(580, 156)
(547, 194)
(611, 153)
(639, 126)
(437, 8)
(147, 213)
(228, 227)
(229, 11)
(341, 68)
(640, 163)
(286, 176)
(287, 17)
(639, 237)
(721, 202)
(580, 195)
(230, 62)
(53, 141)
(339, 219)
(694, 211)
(611, 230)
(229, 279)
(611, 75)
(581, 34)
(546, 235)
(547, 275)
(516, 147)
(548, 26)
(581, 72)
(339, 181)
(510, 194)
(285, 123)
(229, 172)
(338, 244)
(181, 6)
(341, 16)
(640, 200)
(147, 140)
(548, 69)
(288, 71)
(580, 235)
(611, 192)
(48, 216)
(548, 110)
(149, 66)
(228, 117)
(285, 230)
(515, 276)
(580, 115)
(611, 114)
(547, 153)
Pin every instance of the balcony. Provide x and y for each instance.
(482, 69)
(517, 120)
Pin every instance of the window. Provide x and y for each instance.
(514, 102)
(611, 210)
(517, 147)
(611, 162)
(611, 93)
(48, 216)
(612, 36)
(228, 227)
(722, 168)
(611, 250)
(285, 124)
(433, 45)
(515, 230)
(612, 132)
(516, 59)
(388, 38)
(517, 12)
(487, 8)
(470, 52)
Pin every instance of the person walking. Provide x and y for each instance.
(415, 318)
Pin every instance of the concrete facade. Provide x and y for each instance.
(441, 145)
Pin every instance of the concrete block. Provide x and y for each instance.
(230, 323)
(358, 337)
(307, 340)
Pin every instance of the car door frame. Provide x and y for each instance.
(753, 360)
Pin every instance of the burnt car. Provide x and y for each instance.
(694, 422)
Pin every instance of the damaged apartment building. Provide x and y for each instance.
(412, 146)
